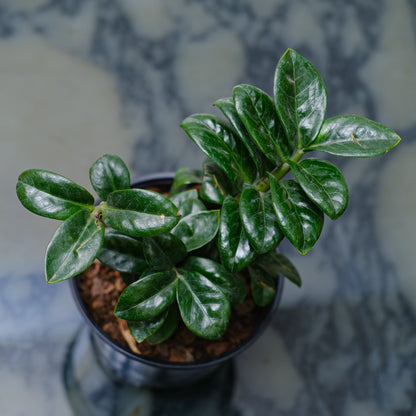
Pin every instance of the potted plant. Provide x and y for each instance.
(188, 253)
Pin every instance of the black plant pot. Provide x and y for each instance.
(125, 366)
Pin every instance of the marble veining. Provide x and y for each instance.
(79, 78)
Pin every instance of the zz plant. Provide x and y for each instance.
(183, 254)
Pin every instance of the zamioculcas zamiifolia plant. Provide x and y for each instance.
(183, 254)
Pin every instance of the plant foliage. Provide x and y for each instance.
(188, 251)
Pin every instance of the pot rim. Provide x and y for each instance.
(156, 179)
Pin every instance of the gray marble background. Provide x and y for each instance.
(79, 78)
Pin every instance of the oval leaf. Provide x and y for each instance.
(109, 173)
(259, 219)
(139, 212)
(188, 202)
(233, 244)
(180, 197)
(123, 253)
(300, 98)
(258, 114)
(299, 218)
(354, 136)
(74, 246)
(274, 264)
(230, 283)
(185, 177)
(164, 251)
(216, 185)
(198, 229)
(218, 143)
(324, 184)
(226, 105)
(51, 195)
(263, 285)
(204, 308)
(148, 297)
(167, 329)
(143, 329)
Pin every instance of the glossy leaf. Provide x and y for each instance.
(218, 143)
(230, 283)
(300, 98)
(354, 136)
(259, 219)
(226, 105)
(263, 285)
(164, 251)
(109, 173)
(52, 195)
(324, 184)
(180, 197)
(139, 212)
(143, 329)
(74, 246)
(258, 114)
(233, 244)
(188, 202)
(299, 218)
(216, 185)
(185, 177)
(123, 253)
(167, 329)
(198, 229)
(204, 308)
(148, 297)
(274, 264)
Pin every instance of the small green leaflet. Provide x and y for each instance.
(354, 136)
(74, 246)
(299, 218)
(324, 184)
(52, 195)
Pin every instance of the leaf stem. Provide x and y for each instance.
(263, 184)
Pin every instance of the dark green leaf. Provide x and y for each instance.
(256, 110)
(324, 184)
(109, 173)
(74, 246)
(148, 297)
(299, 218)
(123, 253)
(204, 308)
(185, 177)
(259, 219)
(198, 229)
(180, 197)
(230, 283)
(216, 184)
(143, 329)
(274, 264)
(167, 329)
(217, 141)
(300, 98)
(234, 247)
(226, 105)
(354, 136)
(51, 195)
(263, 286)
(188, 202)
(139, 212)
(164, 251)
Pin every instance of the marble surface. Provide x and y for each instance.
(79, 78)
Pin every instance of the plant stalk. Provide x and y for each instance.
(263, 184)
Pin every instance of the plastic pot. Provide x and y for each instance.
(125, 366)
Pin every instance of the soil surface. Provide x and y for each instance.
(100, 288)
